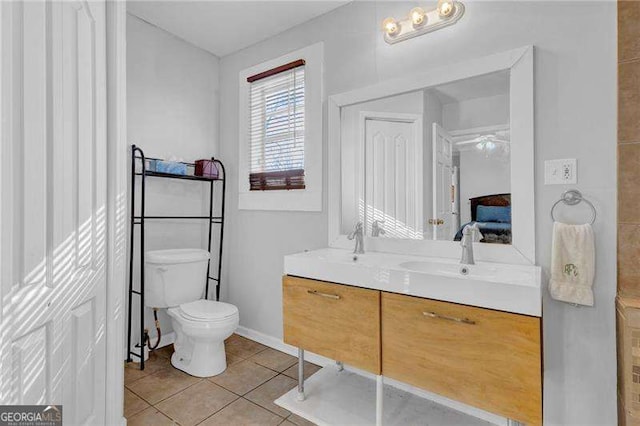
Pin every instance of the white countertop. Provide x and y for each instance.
(504, 287)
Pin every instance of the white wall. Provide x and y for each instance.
(575, 81)
(172, 107)
(478, 112)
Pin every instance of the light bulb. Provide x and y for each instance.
(418, 16)
(390, 26)
(445, 7)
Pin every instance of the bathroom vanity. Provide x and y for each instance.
(404, 324)
(424, 161)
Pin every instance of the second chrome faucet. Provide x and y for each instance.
(358, 235)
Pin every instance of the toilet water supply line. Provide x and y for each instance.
(147, 339)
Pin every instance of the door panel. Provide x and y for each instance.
(52, 222)
(443, 185)
(393, 175)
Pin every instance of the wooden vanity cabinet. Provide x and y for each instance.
(337, 321)
(485, 358)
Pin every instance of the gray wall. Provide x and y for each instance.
(172, 107)
(575, 79)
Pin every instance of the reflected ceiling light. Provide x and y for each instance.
(421, 21)
(390, 26)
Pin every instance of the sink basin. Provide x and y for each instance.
(505, 287)
(497, 273)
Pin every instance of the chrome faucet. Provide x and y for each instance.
(468, 236)
(358, 234)
(376, 229)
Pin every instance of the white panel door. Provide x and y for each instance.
(52, 206)
(393, 175)
(444, 187)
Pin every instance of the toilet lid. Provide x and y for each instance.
(204, 310)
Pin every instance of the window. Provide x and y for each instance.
(277, 112)
(280, 133)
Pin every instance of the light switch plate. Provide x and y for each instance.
(561, 172)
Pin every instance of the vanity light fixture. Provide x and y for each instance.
(421, 21)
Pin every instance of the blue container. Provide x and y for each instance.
(171, 167)
(151, 165)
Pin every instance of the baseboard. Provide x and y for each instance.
(278, 344)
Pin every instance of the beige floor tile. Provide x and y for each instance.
(232, 358)
(165, 351)
(265, 394)
(243, 376)
(150, 417)
(273, 359)
(287, 423)
(242, 412)
(133, 373)
(154, 364)
(297, 420)
(158, 386)
(242, 347)
(309, 370)
(196, 403)
(133, 404)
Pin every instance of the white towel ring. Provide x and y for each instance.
(572, 197)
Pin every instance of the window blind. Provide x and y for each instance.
(277, 107)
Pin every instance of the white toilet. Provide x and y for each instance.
(176, 279)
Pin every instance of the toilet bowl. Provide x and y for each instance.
(176, 280)
(201, 328)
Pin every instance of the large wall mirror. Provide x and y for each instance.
(443, 151)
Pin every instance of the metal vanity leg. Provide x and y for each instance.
(340, 365)
(511, 422)
(301, 374)
(379, 398)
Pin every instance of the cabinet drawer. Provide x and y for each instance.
(333, 320)
(484, 358)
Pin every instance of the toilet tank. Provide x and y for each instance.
(173, 277)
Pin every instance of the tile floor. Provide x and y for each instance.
(243, 395)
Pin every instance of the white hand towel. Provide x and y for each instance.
(572, 263)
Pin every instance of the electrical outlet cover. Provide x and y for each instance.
(561, 172)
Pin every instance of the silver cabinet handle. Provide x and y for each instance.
(446, 317)
(317, 293)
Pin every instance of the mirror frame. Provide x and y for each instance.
(519, 62)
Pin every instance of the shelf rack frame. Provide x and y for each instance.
(137, 155)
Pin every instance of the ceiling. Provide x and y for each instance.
(224, 27)
(493, 84)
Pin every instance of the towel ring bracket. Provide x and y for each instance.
(572, 197)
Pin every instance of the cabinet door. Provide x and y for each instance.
(337, 321)
(484, 358)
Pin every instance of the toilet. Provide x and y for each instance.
(176, 279)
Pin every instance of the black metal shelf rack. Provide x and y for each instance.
(137, 155)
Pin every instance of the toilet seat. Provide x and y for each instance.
(207, 311)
